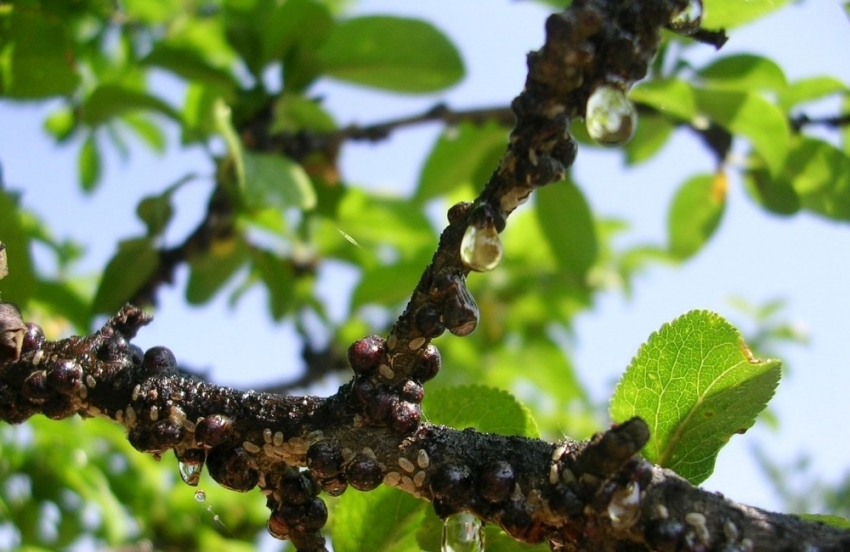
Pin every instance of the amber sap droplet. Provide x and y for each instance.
(688, 21)
(480, 249)
(611, 117)
(462, 532)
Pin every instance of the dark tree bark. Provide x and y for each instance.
(592, 495)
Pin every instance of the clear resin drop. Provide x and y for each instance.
(200, 495)
(480, 249)
(462, 532)
(190, 473)
(611, 117)
(688, 21)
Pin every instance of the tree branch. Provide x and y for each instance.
(592, 495)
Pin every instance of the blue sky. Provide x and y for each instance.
(754, 255)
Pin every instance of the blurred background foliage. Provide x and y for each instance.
(279, 210)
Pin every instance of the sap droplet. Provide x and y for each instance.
(611, 117)
(624, 507)
(190, 473)
(200, 495)
(480, 249)
(462, 532)
(688, 21)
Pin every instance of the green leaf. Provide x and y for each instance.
(750, 115)
(111, 100)
(272, 180)
(209, 271)
(61, 124)
(36, 55)
(64, 300)
(372, 220)
(695, 213)
(89, 164)
(777, 195)
(392, 53)
(833, 521)
(296, 28)
(672, 97)
(189, 64)
(568, 226)
(458, 156)
(820, 175)
(279, 277)
(156, 212)
(130, 267)
(486, 409)
(151, 11)
(199, 113)
(20, 283)
(293, 113)
(382, 520)
(651, 135)
(147, 131)
(743, 72)
(388, 284)
(724, 14)
(810, 89)
(696, 384)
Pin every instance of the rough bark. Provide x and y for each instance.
(592, 495)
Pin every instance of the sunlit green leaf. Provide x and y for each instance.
(820, 175)
(199, 120)
(149, 132)
(130, 267)
(189, 64)
(487, 409)
(272, 180)
(392, 53)
(64, 300)
(151, 11)
(695, 213)
(567, 223)
(671, 97)
(743, 72)
(833, 521)
(89, 164)
(457, 156)
(111, 100)
(696, 384)
(750, 115)
(388, 284)
(724, 14)
(61, 124)
(371, 220)
(20, 282)
(293, 33)
(383, 520)
(36, 55)
(809, 89)
(651, 135)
